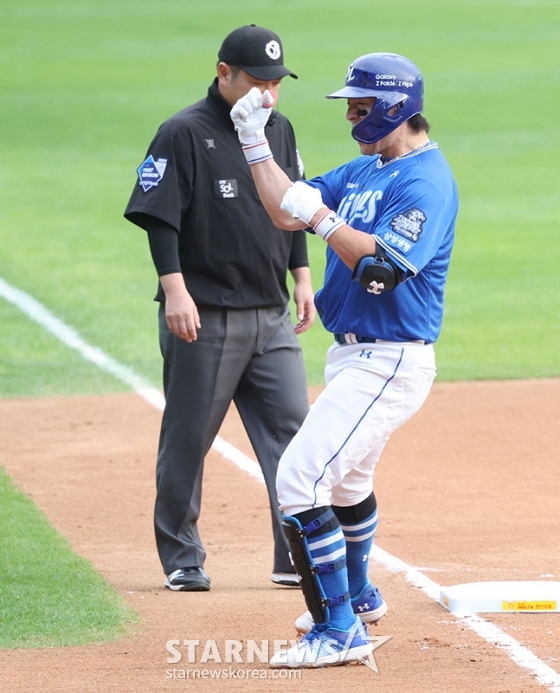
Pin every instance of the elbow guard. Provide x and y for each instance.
(377, 273)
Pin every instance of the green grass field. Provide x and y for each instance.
(48, 594)
(85, 84)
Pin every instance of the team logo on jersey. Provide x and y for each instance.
(409, 224)
(151, 172)
(226, 188)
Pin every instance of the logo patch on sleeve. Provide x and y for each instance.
(226, 188)
(409, 224)
(151, 172)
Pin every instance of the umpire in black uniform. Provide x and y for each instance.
(224, 324)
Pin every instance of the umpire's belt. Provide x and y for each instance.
(351, 338)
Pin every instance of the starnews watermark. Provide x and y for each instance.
(231, 672)
(288, 662)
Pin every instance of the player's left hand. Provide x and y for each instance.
(302, 201)
(251, 113)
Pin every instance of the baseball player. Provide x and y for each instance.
(388, 218)
(224, 324)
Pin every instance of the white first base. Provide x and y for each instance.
(502, 597)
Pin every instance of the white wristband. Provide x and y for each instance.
(328, 224)
(255, 153)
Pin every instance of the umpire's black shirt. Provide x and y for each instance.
(196, 180)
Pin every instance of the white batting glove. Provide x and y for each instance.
(251, 113)
(302, 201)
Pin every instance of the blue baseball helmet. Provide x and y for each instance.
(394, 81)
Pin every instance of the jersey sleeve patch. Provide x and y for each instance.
(150, 172)
(409, 224)
(407, 229)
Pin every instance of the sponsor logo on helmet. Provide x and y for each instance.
(368, 80)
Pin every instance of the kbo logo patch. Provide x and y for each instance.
(151, 172)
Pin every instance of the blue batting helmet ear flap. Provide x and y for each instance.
(394, 81)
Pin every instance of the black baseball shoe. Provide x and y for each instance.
(188, 580)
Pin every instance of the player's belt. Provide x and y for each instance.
(351, 338)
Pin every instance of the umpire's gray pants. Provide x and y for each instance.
(252, 357)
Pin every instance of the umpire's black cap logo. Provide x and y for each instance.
(256, 50)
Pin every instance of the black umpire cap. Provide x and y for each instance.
(256, 50)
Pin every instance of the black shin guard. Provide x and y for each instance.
(296, 533)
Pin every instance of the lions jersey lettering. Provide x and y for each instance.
(360, 206)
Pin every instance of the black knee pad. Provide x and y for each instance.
(354, 514)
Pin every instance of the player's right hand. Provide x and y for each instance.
(251, 113)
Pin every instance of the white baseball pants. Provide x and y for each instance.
(371, 390)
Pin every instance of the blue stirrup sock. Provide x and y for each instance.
(358, 524)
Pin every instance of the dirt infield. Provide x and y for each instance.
(468, 490)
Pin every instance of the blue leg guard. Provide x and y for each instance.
(318, 600)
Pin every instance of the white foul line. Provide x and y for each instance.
(68, 336)
(520, 654)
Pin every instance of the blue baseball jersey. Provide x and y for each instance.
(409, 204)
